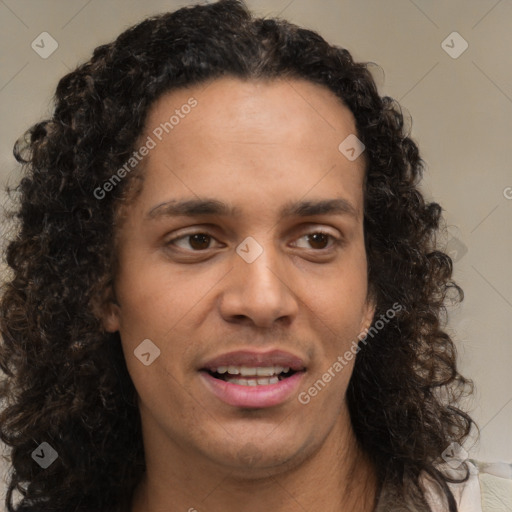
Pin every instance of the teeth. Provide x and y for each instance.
(271, 370)
(266, 371)
(254, 382)
(246, 371)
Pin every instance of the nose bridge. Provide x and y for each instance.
(262, 274)
(258, 287)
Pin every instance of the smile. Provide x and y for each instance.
(246, 376)
(252, 379)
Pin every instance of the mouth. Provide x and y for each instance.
(253, 380)
(247, 376)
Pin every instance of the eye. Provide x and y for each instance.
(200, 241)
(319, 240)
(196, 241)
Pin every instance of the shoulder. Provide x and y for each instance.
(495, 485)
(487, 489)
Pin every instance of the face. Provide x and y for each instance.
(243, 255)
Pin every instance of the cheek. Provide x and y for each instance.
(150, 300)
(338, 311)
(340, 295)
(156, 305)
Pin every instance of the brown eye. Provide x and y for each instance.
(318, 240)
(195, 241)
(199, 241)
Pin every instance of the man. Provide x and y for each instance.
(225, 294)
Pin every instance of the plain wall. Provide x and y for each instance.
(462, 119)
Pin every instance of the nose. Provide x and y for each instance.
(259, 293)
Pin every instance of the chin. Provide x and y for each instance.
(259, 459)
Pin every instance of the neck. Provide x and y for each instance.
(338, 476)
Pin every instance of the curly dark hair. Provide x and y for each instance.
(66, 380)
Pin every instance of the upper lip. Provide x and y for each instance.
(253, 359)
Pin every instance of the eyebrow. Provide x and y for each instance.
(214, 207)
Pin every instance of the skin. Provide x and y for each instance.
(254, 145)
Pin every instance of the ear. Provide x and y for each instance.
(107, 309)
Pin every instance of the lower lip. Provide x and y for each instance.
(253, 396)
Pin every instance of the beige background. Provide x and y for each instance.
(462, 118)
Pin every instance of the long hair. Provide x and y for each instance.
(66, 381)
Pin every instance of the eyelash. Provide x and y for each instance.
(335, 241)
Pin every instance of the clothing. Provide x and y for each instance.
(488, 489)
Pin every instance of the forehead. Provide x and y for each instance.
(256, 111)
(250, 138)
